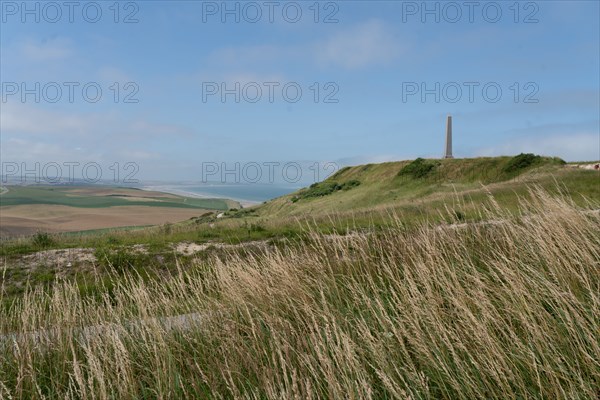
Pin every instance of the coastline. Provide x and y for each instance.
(169, 189)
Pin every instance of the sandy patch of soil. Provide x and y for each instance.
(189, 248)
(595, 167)
(60, 257)
(139, 249)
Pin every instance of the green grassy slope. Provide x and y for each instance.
(505, 310)
(410, 183)
(460, 306)
(363, 197)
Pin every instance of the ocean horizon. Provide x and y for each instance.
(246, 194)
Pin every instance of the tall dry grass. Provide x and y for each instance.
(506, 309)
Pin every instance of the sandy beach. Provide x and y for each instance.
(169, 189)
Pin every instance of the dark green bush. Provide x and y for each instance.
(521, 162)
(112, 240)
(121, 259)
(350, 184)
(256, 228)
(42, 240)
(459, 215)
(419, 168)
(324, 189)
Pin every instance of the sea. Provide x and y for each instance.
(246, 194)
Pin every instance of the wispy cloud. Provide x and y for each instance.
(52, 49)
(33, 133)
(237, 55)
(26, 119)
(367, 44)
(230, 78)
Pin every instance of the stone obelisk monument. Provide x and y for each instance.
(449, 138)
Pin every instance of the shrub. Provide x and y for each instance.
(122, 260)
(42, 240)
(256, 228)
(350, 184)
(459, 215)
(325, 188)
(112, 240)
(521, 162)
(166, 229)
(419, 168)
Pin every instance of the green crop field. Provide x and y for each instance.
(94, 208)
(68, 196)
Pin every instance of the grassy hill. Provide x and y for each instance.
(365, 196)
(423, 181)
(396, 280)
(416, 190)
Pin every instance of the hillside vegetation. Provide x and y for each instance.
(507, 308)
(355, 197)
(424, 181)
(423, 279)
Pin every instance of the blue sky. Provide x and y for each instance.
(367, 55)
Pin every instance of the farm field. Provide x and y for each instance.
(28, 209)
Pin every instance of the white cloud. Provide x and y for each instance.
(371, 43)
(231, 78)
(29, 120)
(21, 118)
(33, 134)
(362, 45)
(46, 50)
(43, 151)
(249, 54)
